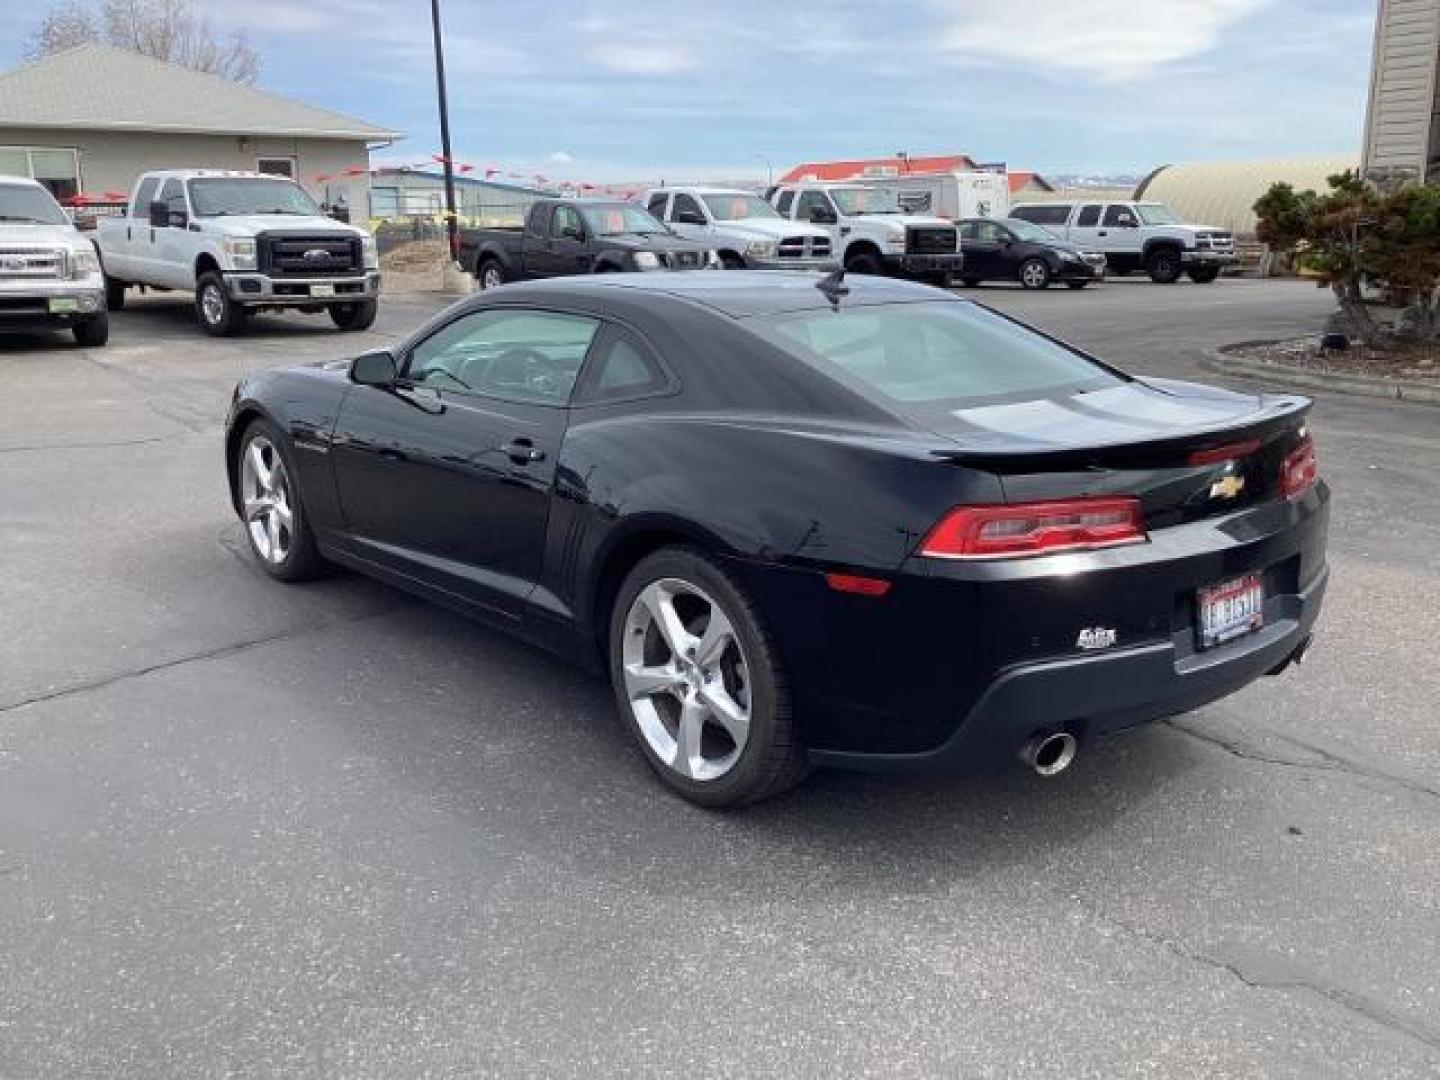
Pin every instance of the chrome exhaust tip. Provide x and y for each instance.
(1050, 755)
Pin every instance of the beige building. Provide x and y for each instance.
(1402, 122)
(93, 118)
(1223, 193)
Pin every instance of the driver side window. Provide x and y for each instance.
(508, 353)
(1118, 216)
(566, 222)
(813, 200)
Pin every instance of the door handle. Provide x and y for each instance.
(522, 451)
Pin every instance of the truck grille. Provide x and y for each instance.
(32, 263)
(930, 240)
(1215, 241)
(684, 260)
(800, 247)
(293, 256)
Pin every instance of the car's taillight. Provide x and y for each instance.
(1299, 470)
(1042, 528)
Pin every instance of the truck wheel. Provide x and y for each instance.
(1163, 266)
(490, 274)
(92, 332)
(864, 262)
(357, 316)
(730, 261)
(1034, 274)
(1204, 275)
(218, 314)
(114, 293)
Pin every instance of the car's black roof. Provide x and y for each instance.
(736, 293)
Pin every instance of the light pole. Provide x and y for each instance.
(452, 223)
(769, 171)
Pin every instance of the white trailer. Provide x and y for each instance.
(952, 195)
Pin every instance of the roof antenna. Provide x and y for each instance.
(833, 286)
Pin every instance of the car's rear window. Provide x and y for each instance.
(932, 353)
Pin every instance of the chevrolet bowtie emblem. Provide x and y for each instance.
(1227, 487)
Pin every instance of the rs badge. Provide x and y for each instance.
(1096, 637)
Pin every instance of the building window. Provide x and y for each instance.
(276, 166)
(57, 169)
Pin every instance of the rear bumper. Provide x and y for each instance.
(1091, 696)
(261, 289)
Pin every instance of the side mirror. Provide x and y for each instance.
(159, 215)
(690, 217)
(374, 369)
(338, 213)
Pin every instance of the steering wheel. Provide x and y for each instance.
(525, 369)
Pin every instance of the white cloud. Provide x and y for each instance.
(635, 58)
(560, 157)
(1108, 40)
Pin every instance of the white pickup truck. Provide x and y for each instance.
(1145, 236)
(871, 232)
(49, 275)
(241, 242)
(742, 229)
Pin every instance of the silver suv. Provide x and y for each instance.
(1145, 236)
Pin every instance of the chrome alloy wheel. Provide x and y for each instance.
(687, 679)
(212, 304)
(265, 495)
(1033, 274)
(491, 277)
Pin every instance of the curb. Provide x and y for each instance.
(1361, 385)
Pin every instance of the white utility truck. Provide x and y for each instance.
(241, 242)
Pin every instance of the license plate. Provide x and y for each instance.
(1230, 610)
(322, 290)
(64, 305)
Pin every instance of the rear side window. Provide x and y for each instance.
(1089, 216)
(1119, 215)
(931, 353)
(620, 367)
(1056, 214)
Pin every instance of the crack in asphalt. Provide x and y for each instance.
(208, 654)
(84, 445)
(1330, 761)
(1267, 971)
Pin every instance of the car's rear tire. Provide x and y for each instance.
(864, 262)
(357, 316)
(706, 702)
(1204, 275)
(92, 332)
(218, 314)
(730, 261)
(268, 494)
(490, 274)
(1164, 266)
(1034, 274)
(114, 294)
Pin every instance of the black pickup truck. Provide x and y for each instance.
(577, 236)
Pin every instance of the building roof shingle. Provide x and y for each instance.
(96, 87)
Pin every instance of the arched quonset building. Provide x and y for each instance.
(1223, 193)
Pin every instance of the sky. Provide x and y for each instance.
(643, 90)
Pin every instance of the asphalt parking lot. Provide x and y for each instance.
(254, 830)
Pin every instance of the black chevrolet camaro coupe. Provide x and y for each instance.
(798, 521)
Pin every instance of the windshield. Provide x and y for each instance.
(1156, 214)
(737, 207)
(618, 219)
(866, 201)
(933, 352)
(229, 195)
(25, 203)
(1028, 230)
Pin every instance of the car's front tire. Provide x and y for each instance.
(1203, 275)
(1035, 274)
(268, 495)
(864, 262)
(218, 314)
(699, 684)
(359, 315)
(92, 332)
(114, 293)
